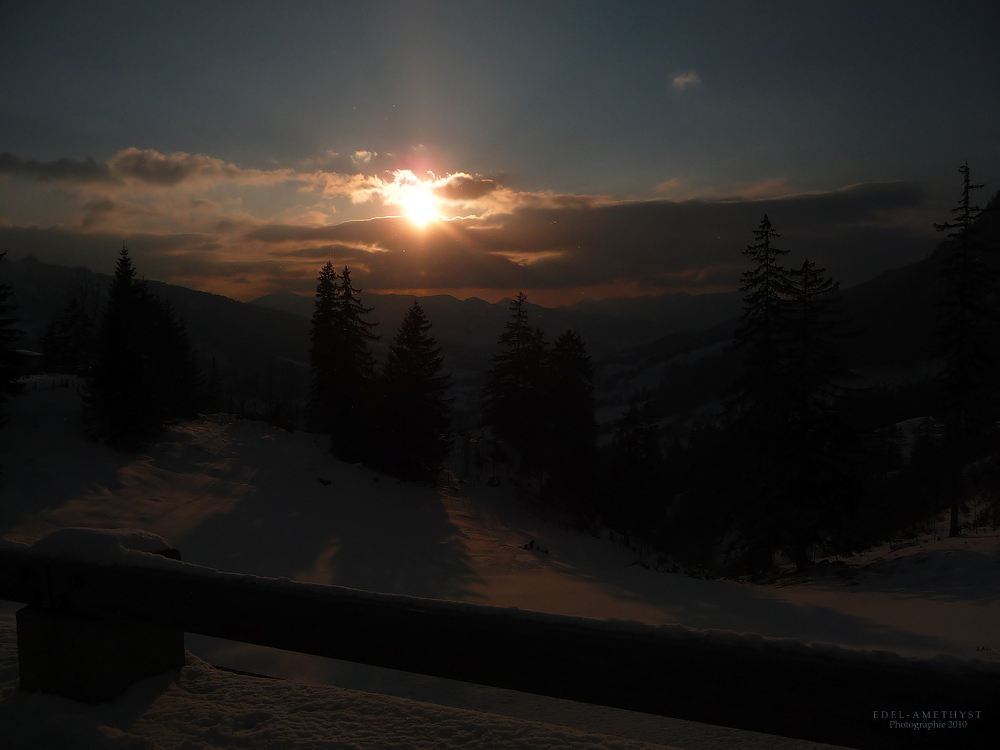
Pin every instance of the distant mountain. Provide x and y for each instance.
(606, 328)
(245, 340)
(267, 341)
(673, 343)
(676, 311)
(891, 322)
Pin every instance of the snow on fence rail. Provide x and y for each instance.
(131, 607)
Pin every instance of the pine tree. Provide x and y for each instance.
(116, 397)
(9, 336)
(968, 380)
(324, 339)
(814, 363)
(763, 330)
(176, 382)
(144, 371)
(213, 390)
(341, 401)
(356, 332)
(818, 454)
(69, 340)
(759, 412)
(515, 386)
(571, 429)
(637, 466)
(415, 411)
(354, 431)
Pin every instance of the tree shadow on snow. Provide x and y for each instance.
(950, 575)
(743, 608)
(46, 458)
(307, 516)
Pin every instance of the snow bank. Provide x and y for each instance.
(101, 546)
(131, 547)
(204, 708)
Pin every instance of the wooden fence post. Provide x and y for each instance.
(90, 659)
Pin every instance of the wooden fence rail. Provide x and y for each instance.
(804, 693)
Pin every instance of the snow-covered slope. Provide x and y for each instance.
(248, 498)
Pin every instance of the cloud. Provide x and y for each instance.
(191, 222)
(135, 175)
(144, 166)
(686, 80)
(64, 169)
(659, 244)
(95, 212)
(672, 187)
(169, 169)
(464, 187)
(362, 158)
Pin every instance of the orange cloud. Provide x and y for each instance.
(687, 80)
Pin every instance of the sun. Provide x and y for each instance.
(420, 205)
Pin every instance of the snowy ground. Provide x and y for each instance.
(247, 498)
(203, 707)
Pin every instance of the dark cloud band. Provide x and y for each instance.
(64, 169)
(656, 245)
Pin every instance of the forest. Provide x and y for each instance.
(795, 458)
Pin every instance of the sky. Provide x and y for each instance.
(567, 149)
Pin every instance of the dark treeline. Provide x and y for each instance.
(799, 461)
(9, 336)
(538, 401)
(141, 372)
(396, 421)
(795, 459)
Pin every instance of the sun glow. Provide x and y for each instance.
(420, 205)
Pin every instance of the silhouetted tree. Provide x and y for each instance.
(571, 450)
(144, 371)
(515, 386)
(353, 376)
(759, 413)
(324, 350)
(213, 390)
(9, 336)
(820, 458)
(68, 342)
(635, 498)
(968, 380)
(343, 370)
(761, 396)
(175, 375)
(415, 411)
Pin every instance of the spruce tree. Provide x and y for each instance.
(144, 371)
(9, 336)
(759, 412)
(68, 341)
(415, 411)
(637, 468)
(819, 461)
(324, 345)
(812, 344)
(213, 390)
(513, 395)
(571, 451)
(176, 385)
(354, 431)
(968, 380)
(116, 397)
(763, 330)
